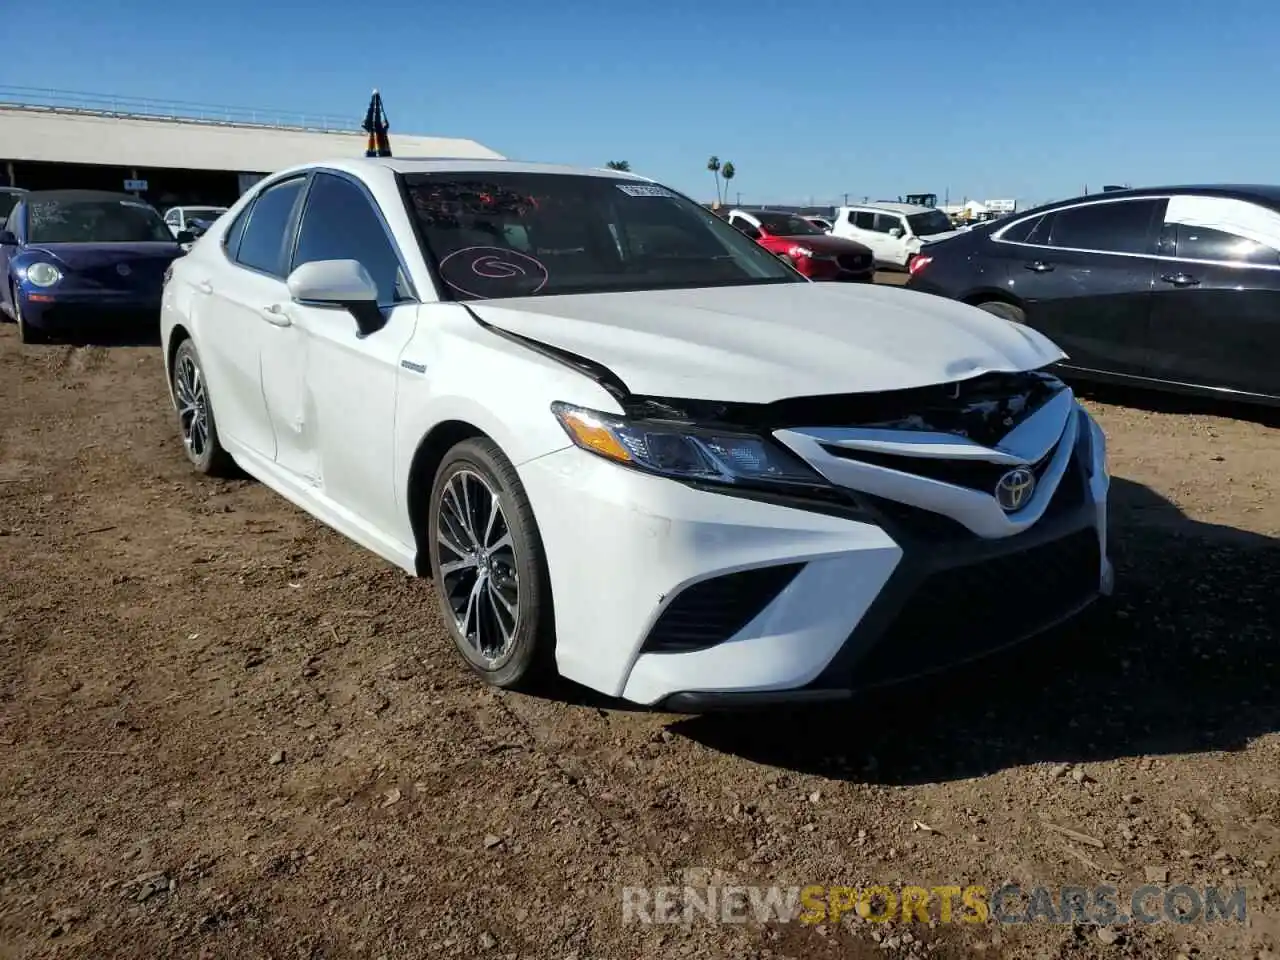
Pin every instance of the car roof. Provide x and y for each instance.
(1269, 194)
(411, 165)
(890, 207)
(82, 195)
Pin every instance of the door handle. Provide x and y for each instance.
(1039, 266)
(1181, 279)
(204, 286)
(276, 316)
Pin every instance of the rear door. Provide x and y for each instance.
(1084, 274)
(1216, 305)
(240, 334)
(863, 229)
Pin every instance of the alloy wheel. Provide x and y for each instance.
(478, 565)
(193, 407)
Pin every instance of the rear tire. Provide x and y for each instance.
(489, 568)
(196, 423)
(1005, 311)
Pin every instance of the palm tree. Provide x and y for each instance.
(623, 165)
(714, 166)
(727, 171)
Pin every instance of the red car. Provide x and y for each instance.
(817, 255)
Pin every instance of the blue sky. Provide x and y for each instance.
(990, 98)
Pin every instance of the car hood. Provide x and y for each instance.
(822, 243)
(86, 256)
(761, 343)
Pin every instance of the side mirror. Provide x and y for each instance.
(339, 283)
(895, 231)
(186, 236)
(7, 239)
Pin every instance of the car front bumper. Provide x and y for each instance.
(666, 594)
(59, 310)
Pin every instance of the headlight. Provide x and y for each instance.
(43, 274)
(685, 452)
(800, 252)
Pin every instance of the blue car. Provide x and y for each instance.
(69, 258)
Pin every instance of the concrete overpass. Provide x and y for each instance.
(174, 153)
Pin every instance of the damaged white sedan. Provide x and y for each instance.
(626, 442)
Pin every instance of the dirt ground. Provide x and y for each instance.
(228, 732)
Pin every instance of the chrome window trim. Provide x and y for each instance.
(998, 236)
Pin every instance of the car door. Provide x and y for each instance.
(351, 379)
(1215, 309)
(242, 333)
(894, 247)
(1084, 275)
(862, 228)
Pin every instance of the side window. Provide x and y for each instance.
(746, 227)
(1122, 226)
(1204, 243)
(887, 221)
(864, 220)
(1019, 232)
(171, 218)
(231, 239)
(339, 223)
(262, 245)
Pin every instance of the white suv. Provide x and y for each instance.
(895, 232)
(625, 441)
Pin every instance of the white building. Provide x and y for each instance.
(176, 159)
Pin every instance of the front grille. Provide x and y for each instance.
(711, 611)
(143, 275)
(853, 261)
(963, 612)
(973, 474)
(905, 521)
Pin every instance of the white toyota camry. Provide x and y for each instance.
(626, 442)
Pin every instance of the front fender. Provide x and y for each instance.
(456, 371)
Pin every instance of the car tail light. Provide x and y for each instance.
(918, 263)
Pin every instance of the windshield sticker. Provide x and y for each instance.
(644, 190)
(484, 272)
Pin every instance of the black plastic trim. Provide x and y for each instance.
(921, 558)
(711, 611)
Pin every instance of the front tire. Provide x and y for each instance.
(196, 422)
(1006, 311)
(26, 332)
(489, 568)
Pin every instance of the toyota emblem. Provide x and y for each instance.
(123, 269)
(1015, 488)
